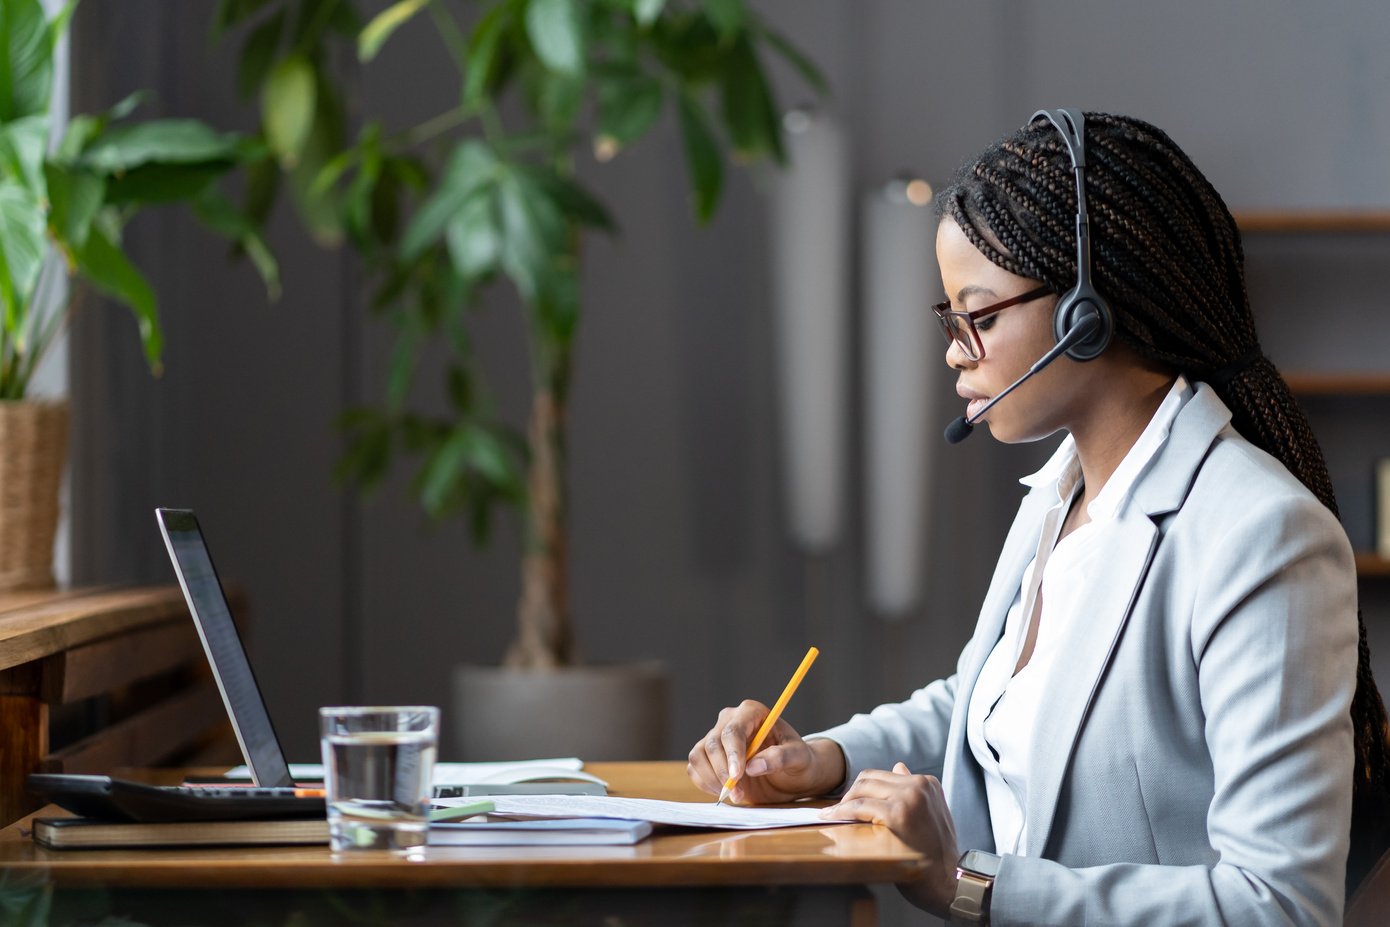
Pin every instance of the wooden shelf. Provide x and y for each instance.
(1350, 383)
(1371, 564)
(1313, 220)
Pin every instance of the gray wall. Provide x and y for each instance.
(679, 550)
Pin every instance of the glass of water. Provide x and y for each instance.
(378, 766)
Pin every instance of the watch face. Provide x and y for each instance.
(986, 864)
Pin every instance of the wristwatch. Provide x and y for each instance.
(974, 884)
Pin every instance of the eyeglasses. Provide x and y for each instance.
(960, 326)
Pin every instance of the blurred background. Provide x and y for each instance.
(683, 544)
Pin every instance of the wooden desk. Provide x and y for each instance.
(807, 875)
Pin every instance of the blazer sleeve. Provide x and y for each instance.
(913, 732)
(1273, 636)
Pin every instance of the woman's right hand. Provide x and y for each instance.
(785, 768)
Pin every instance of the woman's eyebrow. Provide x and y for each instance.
(973, 289)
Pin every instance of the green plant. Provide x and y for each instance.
(486, 190)
(79, 196)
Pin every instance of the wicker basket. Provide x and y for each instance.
(33, 444)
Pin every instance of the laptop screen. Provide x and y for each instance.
(230, 667)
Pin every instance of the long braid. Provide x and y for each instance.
(1168, 258)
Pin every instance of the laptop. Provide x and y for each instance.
(255, 733)
(236, 682)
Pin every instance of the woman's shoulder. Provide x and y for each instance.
(1239, 473)
(1242, 495)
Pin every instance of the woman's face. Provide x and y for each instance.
(1014, 338)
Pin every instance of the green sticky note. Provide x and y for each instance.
(456, 812)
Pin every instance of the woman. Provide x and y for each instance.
(1166, 707)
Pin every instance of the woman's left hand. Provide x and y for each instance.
(914, 808)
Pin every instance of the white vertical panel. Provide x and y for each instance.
(51, 377)
(900, 276)
(809, 225)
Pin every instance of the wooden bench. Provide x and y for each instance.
(96, 679)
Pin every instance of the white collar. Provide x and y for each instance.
(1063, 468)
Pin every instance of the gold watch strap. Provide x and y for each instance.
(971, 904)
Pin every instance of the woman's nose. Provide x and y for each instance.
(956, 358)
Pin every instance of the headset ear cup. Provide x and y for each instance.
(1072, 309)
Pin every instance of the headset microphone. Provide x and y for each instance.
(960, 429)
(1082, 320)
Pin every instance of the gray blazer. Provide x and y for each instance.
(1200, 765)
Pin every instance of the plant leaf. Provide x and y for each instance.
(167, 141)
(386, 207)
(471, 166)
(262, 183)
(561, 97)
(383, 24)
(727, 15)
(257, 54)
(58, 25)
(809, 72)
(231, 12)
(473, 238)
(370, 446)
(557, 34)
(21, 151)
(75, 195)
(404, 359)
(533, 233)
(483, 58)
(628, 107)
(557, 308)
(217, 213)
(102, 262)
(320, 210)
(647, 11)
(164, 183)
(574, 201)
(287, 106)
(442, 471)
(26, 60)
(21, 251)
(702, 160)
(749, 109)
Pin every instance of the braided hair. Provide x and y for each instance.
(1168, 259)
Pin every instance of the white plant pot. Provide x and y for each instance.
(602, 712)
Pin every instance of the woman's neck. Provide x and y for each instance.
(1119, 418)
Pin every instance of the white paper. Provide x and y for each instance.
(682, 813)
(452, 773)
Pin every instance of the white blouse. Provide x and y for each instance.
(1001, 720)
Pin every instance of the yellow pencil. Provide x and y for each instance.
(772, 717)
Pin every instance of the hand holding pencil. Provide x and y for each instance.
(755, 757)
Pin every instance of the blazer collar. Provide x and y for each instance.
(1164, 485)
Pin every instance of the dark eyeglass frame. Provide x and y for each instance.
(959, 326)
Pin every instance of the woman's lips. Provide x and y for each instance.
(974, 400)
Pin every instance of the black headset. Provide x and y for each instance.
(1082, 300)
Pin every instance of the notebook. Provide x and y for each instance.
(86, 833)
(255, 734)
(545, 832)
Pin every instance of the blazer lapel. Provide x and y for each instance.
(962, 779)
(1131, 541)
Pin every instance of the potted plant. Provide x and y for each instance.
(483, 192)
(65, 196)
